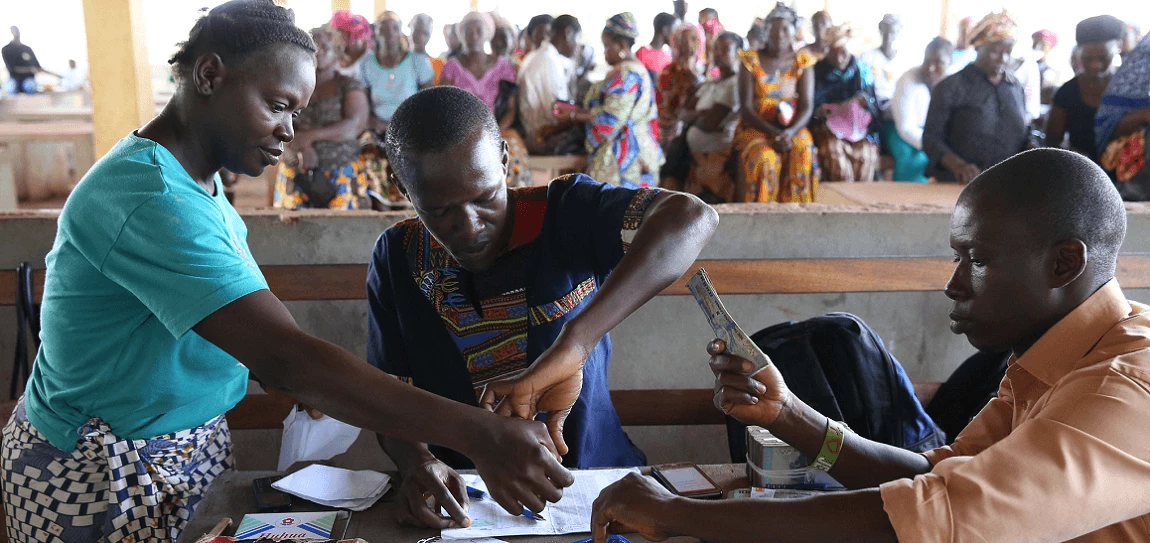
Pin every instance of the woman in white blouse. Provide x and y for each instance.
(909, 107)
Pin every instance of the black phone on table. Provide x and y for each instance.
(687, 480)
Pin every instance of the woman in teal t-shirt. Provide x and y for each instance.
(154, 311)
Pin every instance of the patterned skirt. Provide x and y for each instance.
(518, 170)
(774, 177)
(109, 489)
(843, 160)
(353, 182)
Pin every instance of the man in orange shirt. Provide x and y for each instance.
(1061, 454)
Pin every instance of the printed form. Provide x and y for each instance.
(571, 515)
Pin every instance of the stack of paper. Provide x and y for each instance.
(336, 487)
(570, 516)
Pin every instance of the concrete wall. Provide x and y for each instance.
(661, 346)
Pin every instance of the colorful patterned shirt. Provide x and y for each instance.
(451, 331)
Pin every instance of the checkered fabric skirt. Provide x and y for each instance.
(108, 489)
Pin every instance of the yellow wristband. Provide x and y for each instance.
(832, 446)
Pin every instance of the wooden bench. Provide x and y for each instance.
(660, 407)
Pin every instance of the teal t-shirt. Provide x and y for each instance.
(142, 254)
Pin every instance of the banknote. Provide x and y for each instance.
(738, 342)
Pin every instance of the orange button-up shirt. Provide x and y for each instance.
(1063, 452)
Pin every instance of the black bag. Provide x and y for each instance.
(840, 367)
(1137, 189)
(27, 331)
(319, 190)
(507, 89)
(967, 391)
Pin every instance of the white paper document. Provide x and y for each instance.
(306, 439)
(336, 487)
(571, 515)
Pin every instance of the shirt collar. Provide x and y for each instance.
(975, 71)
(1058, 350)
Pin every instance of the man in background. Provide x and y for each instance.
(22, 65)
(546, 76)
(75, 78)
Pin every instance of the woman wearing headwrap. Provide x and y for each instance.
(1124, 117)
(354, 40)
(321, 167)
(977, 117)
(776, 86)
(482, 74)
(393, 73)
(847, 121)
(420, 27)
(678, 81)
(709, 22)
(1077, 101)
(1043, 41)
(620, 114)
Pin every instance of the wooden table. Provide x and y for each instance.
(231, 496)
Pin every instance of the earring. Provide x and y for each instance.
(622, 55)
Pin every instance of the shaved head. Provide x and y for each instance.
(1056, 195)
(1033, 238)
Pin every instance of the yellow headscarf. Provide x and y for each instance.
(995, 27)
(839, 35)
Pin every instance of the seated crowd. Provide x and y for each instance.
(730, 119)
(489, 312)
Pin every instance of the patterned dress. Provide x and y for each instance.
(339, 161)
(1129, 90)
(771, 177)
(108, 489)
(487, 88)
(675, 84)
(450, 331)
(622, 140)
(840, 159)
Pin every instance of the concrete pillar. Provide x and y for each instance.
(944, 19)
(380, 7)
(337, 5)
(119, 71)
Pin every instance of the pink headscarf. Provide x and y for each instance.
(713, 27)
(688, 27)
(356, 26)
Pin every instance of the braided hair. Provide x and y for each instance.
(238, 28)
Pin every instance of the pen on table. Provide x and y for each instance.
(475, 493)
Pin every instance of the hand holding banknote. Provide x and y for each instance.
(756, 399)
(747, 385)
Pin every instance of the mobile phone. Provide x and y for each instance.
(268, 499)
(687, 480)
(562, 107)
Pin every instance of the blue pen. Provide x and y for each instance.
(476, 494)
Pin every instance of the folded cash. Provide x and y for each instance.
(738, 342)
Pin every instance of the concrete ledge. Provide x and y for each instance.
(661, 345)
